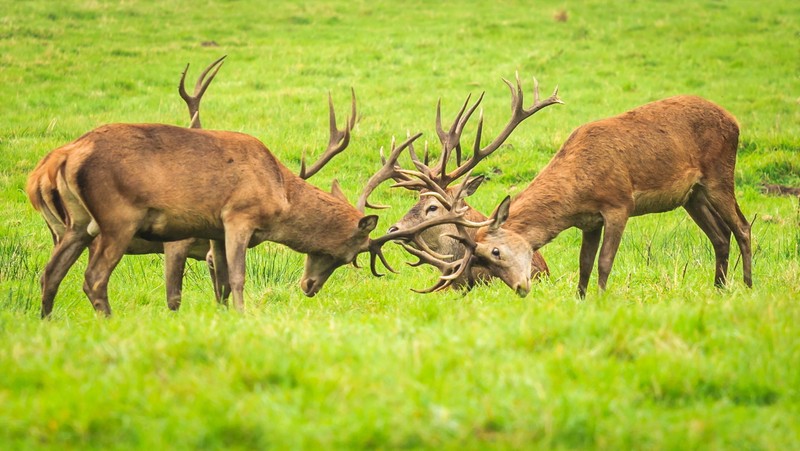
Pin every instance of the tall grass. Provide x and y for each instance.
(662, 360)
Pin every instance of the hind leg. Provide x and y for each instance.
(723, 202)
(109, 250)
(589, 245)
(715, 229)
(218, 267)
(64, 256)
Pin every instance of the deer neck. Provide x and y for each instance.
(543, 210)
(314, 221)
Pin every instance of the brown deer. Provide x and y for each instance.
(675, 152)
(45, 198)
(440, 239)
(214, 185)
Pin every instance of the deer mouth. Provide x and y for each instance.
(310, 287)
(523, 289)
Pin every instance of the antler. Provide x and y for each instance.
(389, 170)
(451, 139)
(450, 270)
(454, 215)
(338, 141)
(193, 102)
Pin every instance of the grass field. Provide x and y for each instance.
(661, 360)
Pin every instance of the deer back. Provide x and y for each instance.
(649, 158)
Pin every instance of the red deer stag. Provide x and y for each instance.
(215, 185)
(440, 239)
(44, 196)
(679, 151)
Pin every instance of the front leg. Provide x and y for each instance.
(614, 225)
(236, 241)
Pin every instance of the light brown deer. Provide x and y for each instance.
(45, 198)
(440, 239)
(675, 152)
(215, 185)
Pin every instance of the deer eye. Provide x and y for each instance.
(432, 208)
(496, 253)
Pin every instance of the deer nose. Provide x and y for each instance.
(393, 229)
(310, 290)
(523, 289)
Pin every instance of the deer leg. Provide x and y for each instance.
(175, 254)
(614, 225)
(745, 247)
(64, 255)
(589, 245)
(724, 204)
(236, 247)
(218, 266)
(715, 229)
(107, 254)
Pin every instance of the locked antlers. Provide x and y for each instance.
(454, 215)
(434, 181)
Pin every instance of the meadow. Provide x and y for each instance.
(660, 360)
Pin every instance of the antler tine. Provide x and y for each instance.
(423, 258)
(443, 266)
(451, 140)
(193, 101)
(518, 114)
(389, 170)
(431, 185)
(439, 130)
(459, 192)
(450, 270)
(339, 139)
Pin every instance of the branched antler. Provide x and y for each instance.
(339, 139)
(389, 170)
(518, 114)
(193, 101)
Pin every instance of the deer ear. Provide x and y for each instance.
(500, 214)
(472, 185)
(336, 190)
(367, 224)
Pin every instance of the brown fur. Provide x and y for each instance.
(216, 185)
(44, 196)
(676, 152)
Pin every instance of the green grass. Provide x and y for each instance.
(662, 360)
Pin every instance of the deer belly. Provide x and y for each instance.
(159, 226)
(659, 201)
(665, 194)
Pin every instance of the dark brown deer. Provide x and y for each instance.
(43, 195)
(214, 185)
(675, 152)
(440, 239)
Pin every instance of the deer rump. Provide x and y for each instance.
(43, 194)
